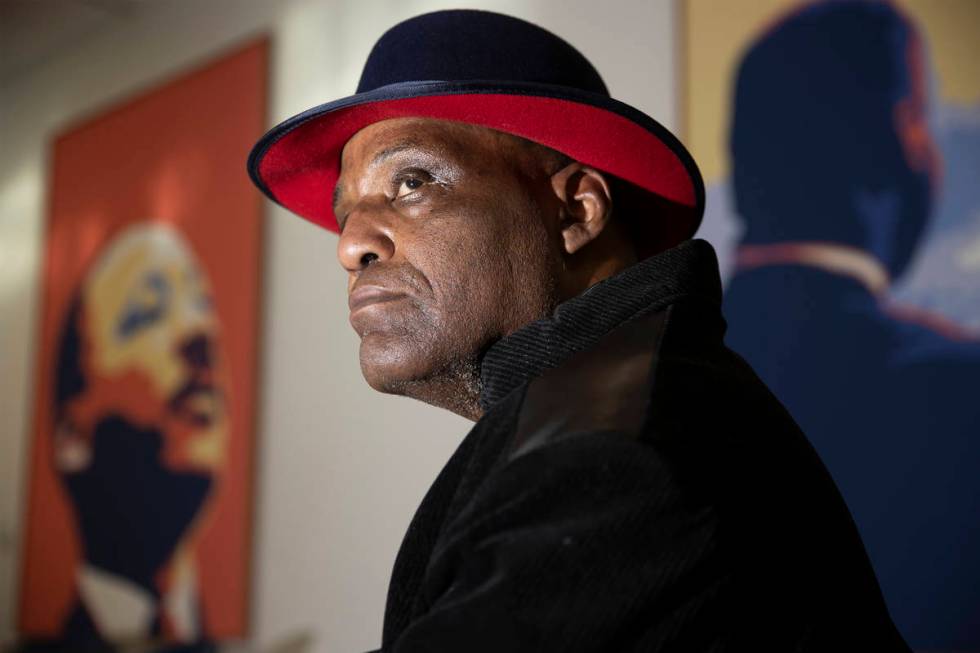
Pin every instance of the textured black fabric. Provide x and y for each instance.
(579, 322)
(711, 527)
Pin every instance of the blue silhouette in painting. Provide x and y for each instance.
(834, 176)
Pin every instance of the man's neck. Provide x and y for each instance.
(456, 389)
(837, 259)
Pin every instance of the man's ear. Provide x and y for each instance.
(586, 204)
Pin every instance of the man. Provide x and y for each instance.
(517, 244)
(833, 213)
(140, 439)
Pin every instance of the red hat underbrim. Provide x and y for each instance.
(297, 163)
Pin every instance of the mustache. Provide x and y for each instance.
(399, 278)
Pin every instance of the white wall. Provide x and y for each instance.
(340, 469)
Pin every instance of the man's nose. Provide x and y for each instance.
(368, 236)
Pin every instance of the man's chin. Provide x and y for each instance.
(389, 365)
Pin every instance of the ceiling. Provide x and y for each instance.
(31, 31)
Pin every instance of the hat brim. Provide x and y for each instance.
(296, 164)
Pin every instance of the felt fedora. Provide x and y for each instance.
(492, 70)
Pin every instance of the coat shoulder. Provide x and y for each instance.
(616, 385)
(605, 388)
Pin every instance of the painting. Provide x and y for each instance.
(139, 517)
(840, 142)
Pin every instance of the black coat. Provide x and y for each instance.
(633, 486)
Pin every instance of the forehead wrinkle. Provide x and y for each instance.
(392, 150)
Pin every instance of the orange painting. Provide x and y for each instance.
(139, 516)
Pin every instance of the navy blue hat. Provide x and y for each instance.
(486, 69)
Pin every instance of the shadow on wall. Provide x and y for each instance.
(836, 172)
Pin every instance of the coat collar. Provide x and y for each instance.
(687, 270)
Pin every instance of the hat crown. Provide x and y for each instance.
(467, 45)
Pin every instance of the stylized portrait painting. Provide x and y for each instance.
(140, 433)
(139, 515)
(840, 142)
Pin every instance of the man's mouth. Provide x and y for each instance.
(371, 295)
(377, 310)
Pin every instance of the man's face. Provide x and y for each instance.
(450, 237)
(151, 354)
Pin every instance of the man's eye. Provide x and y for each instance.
(408, 185)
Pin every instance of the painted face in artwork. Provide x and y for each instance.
(148, 354)
(142, 430)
